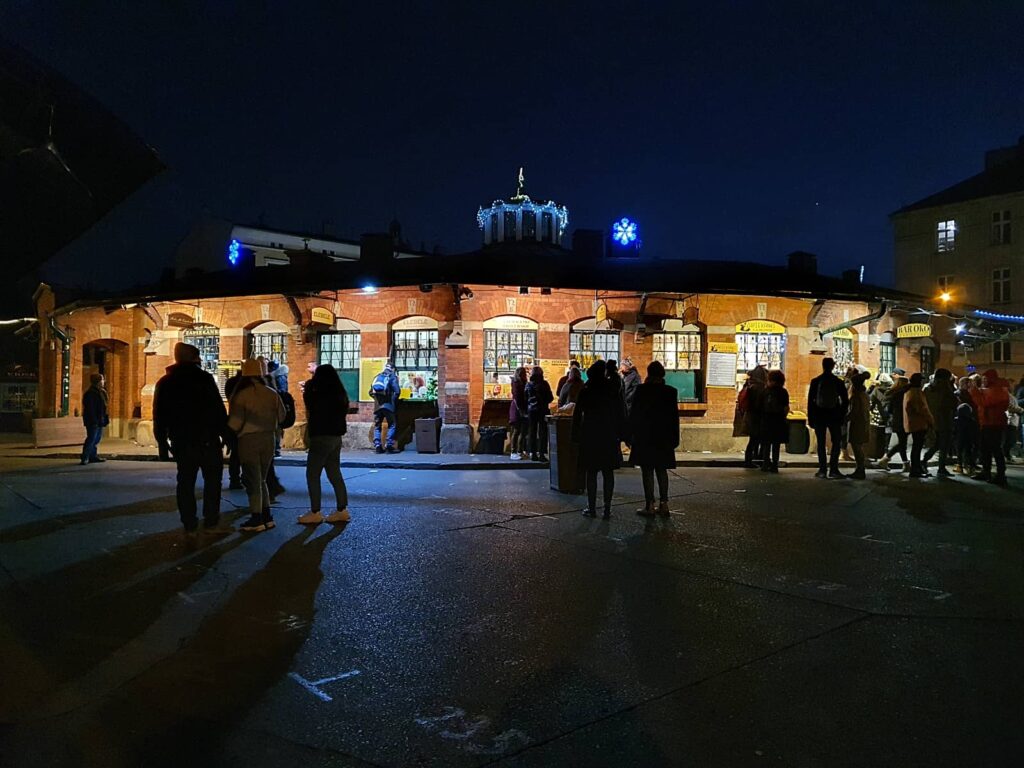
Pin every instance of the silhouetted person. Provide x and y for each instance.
(326, 411)
(95, 416)
(598, 422)
(942, 402)
(747, 420)
(991, 401)
(188, 422)
(859, 426)
(519, 417)
(538, 402)
(570, 390)
(827, 403)
(654, 431)
(774, 429)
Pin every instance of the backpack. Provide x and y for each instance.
(381, 388)
(289, 410)
(828, 393)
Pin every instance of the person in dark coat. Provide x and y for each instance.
(630, 381)
(518, 416)
(231, 441)
(570, 390)
(565, 377)
(748, 413)
(189, 421)
(654, 428)
(967, 432)
(827, 405)
(95, 416)
(611, 368)
(774, 426)
(538, 406)
(598, 422)
(326, 407)
(942, 402)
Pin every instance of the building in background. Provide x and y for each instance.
(967, 242)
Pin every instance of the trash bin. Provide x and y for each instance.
(563, 455)
(799, 436)
(492, 440)
(428, 435)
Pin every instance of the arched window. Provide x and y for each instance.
(510, 341)
(843, 349)
(206, 338)
(414, 352)
(589, 343)
(341, 348)
(887, 352)
(680, 348)
(760, 342)
(270, 340)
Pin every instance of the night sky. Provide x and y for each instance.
(731, 131)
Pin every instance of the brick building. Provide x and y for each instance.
(456, 327)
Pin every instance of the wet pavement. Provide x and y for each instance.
(472, 617)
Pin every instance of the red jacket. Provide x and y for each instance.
(992, 401)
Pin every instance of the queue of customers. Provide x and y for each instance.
(974, 421)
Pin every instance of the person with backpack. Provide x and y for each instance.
(859, 424)
(598, 421)
(538, 402)
(774, 429)
(827, 404)
(385, 391)
(518, 416)
(254, 414)
(917, 420)
(188, 421)
(654, 431)
(326, 409)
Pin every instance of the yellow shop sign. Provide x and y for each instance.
(760, 326)
(914, 331)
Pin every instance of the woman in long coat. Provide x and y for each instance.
(654, 430)
(859, 431)
(598, 423)
(774, 428)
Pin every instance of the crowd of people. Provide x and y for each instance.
(973, 421)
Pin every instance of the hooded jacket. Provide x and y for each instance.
(187, 406)
(991, 401)
(254, 409)
(942, 403)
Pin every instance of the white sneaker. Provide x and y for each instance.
(341, 516)
(311, 518)
(515, 457)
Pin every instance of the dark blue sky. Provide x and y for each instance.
(739, 130)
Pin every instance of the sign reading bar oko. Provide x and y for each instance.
(914, 331)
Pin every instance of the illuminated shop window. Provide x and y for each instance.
(588, 347)
(760, 342)
(886, 357)
(206, 338)
(680, 348)
(510, 341)
(414, 344)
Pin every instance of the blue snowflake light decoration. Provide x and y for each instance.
(234, 252)
(624, 231)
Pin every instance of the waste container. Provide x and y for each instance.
(799, 436)
(428, 435)
(492, 440)
(563, 455)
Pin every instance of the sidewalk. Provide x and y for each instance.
(20, 446)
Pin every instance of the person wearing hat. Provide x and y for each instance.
(254, 413)
(385, 391)
(188, 422)
(991, 400)
(95, 416)
(898, 441)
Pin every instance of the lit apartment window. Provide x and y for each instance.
(945, 236)
(1000, 285)
(945, 283)
(886, 357)
(1000, 227)
(1001, 352)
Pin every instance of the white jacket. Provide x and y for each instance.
(254, 409)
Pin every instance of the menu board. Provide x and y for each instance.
(721, 369)
(369, 367)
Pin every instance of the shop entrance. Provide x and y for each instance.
(109, 358)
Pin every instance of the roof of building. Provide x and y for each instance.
(538, 265)
(1001, 178)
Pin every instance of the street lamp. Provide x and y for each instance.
(945, 296)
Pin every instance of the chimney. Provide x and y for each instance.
(803, 263)
(1004, 155)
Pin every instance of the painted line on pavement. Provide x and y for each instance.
(314, 686)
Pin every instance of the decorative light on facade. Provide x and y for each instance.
(369, 289)
(997, 316)
(624, 231)
(234, 252)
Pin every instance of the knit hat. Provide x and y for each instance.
(252, 367)
(185, 353)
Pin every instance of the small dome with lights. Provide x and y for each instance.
(520, 218)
